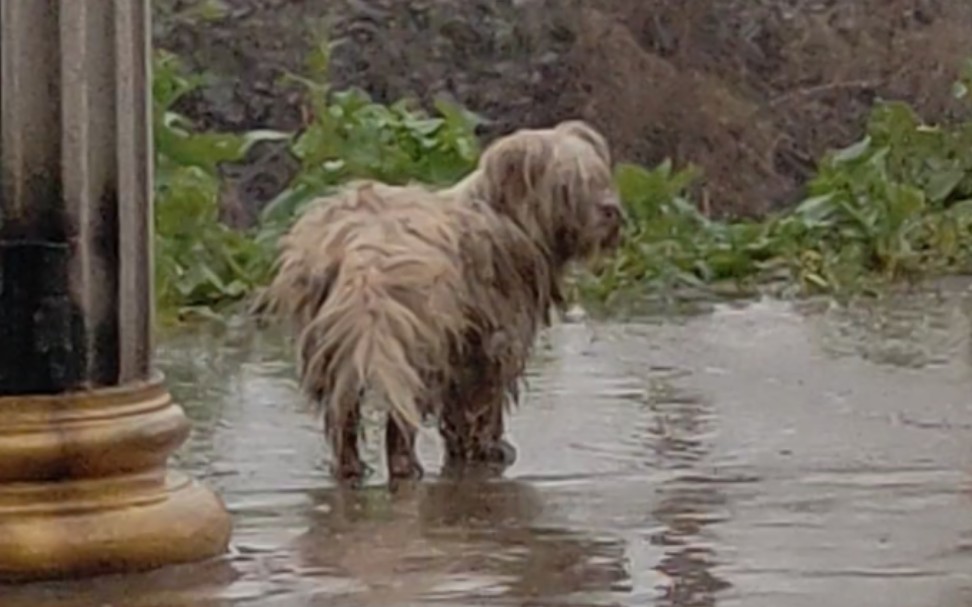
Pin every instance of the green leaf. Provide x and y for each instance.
(287, 204)
(853, 152)
(816, 208)
(632, 181)
(942, 184)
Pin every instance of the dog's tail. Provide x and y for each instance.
(364, 338)
(378, 331)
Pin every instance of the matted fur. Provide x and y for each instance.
(434, 298)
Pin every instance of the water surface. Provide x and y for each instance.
(759, 454)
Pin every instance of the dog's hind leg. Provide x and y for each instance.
(400, 447)
(343, 433)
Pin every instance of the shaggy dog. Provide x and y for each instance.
(433, 298)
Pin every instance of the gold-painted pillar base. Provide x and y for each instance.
(84, 487)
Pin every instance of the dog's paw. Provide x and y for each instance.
(351, 471)
(491, 460)
(403, 467)
(501, 453)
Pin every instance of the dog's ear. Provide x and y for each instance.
(587, 133)
(515, 165)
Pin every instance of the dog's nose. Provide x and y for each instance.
(616, 218)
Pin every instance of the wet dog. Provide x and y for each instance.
(432, 299)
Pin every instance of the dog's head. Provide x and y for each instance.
(557, 184)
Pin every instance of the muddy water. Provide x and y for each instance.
(756, 455)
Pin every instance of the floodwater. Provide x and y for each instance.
(759, 454)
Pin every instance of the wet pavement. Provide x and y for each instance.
(758, 454)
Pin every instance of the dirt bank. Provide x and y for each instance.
(752, 90)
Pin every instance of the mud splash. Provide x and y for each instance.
(761, 455)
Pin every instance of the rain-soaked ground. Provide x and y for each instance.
(754, 455)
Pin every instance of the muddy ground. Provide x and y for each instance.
(752, 90)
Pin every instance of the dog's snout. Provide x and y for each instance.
(611, 212)
(612, 219)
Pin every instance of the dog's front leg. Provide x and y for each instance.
(400, 447)
(498, 450)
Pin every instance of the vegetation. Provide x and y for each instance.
(201, 264)
(895, 205)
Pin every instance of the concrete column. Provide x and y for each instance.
(86, 426)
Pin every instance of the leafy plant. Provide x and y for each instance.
(893, 205)
(670, 245)
(200, 262)
(350, 136)
(897, 204)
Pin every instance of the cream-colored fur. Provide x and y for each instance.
(434, 298)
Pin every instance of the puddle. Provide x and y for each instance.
(759, 455)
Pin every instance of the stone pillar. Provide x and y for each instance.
(86, 425)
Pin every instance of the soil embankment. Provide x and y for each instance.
(751, 90)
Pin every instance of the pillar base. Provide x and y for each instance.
(84, 488)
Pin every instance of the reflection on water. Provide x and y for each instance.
(757, 455)
(454, 543)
